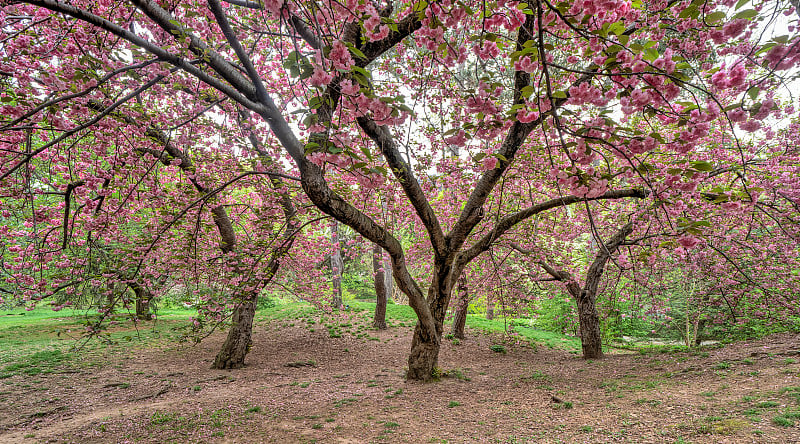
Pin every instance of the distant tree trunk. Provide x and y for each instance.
(381, 296)
(489, 307)
(460, 317)
(337, 266)
(586, 297)
(698, 337)
(143, 297)
(239, 339)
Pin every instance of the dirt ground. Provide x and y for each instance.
(306, 386)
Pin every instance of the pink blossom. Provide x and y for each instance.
(526, 116)
(320, 77)
(688, 241)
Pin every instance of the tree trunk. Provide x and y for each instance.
(590, 326)
(698, 332)
(337, 266)
(489, 307)
(381, 297)
(239, 339)
(460, 318)
(424, 356)
(143, 297)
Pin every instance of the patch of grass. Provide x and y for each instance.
(722, 365)
(498, 348)
(537, 376)
(650, 402)
(452, 404)
(159, 417)
(767, 404)
(782, 421)
(719, 426)
(344, 402)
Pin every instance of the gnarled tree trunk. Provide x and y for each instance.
(381, 295)
(425, 345)
(591, 340)
(143, 297)
(239, 339)
(460, 317)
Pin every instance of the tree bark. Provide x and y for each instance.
(143, 297)
(489, 307)
(586, 297)
(591, 340)
(424, 356)
(239, 339)
(460, 317)
(336, 266)
(381, 296)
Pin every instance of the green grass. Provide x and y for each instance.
(406, 314)
(42, 340)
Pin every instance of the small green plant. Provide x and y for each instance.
(722, 365)
(788, 361)
(767, 404)
(316, 426)
(159, 417)
(498, 348)
(782, 421)
(587, 428)
(452, 404)
(344, 402)
(253, 409)
(197, 388)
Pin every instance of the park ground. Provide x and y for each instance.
(313, 377)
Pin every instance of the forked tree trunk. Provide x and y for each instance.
(460, 317)
(379, 321)
(239, 339)
(591, 340)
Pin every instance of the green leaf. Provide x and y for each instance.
(560, 95)
(747, 13)
(715, 17)
(753, 92)
(702, 165)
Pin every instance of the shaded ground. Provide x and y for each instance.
(304, 384)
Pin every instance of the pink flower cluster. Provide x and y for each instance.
(586, 93)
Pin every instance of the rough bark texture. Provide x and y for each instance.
(489, 308)
(336, 266)
(460, 317)
(239, 339)
(424, 356)
(591, 340)
(381, 295)
(143, 297)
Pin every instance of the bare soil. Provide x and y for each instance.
(304, 386)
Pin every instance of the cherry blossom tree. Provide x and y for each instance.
(557, 104)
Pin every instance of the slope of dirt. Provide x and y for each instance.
(304, 386)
